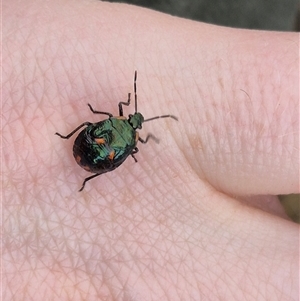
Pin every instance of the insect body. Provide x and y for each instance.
(105, 145)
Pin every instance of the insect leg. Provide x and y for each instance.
(128, 101)
(87, 179)
(73, 132)
(99, 112)
(134, 151)
(125, 104)
(149, 136)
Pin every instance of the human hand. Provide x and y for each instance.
(182, 223)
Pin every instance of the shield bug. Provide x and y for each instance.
(103, 146)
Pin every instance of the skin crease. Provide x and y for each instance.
(196, 218)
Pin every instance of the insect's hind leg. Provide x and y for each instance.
(73, 132)
(87, 179)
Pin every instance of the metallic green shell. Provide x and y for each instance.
(118, 137)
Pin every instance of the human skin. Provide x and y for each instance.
(197, 218)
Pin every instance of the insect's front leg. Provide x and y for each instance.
(149, 136)
(125, 104)
(128, 101)
(134, 151)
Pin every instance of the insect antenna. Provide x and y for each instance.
(163, 116)
(135, 95)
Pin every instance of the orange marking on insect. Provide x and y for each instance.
(86, 168)
(136, 136)
(111, 155)
(78, 159)
(121, 117)
(100, 140)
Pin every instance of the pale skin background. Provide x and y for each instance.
(181, 224)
